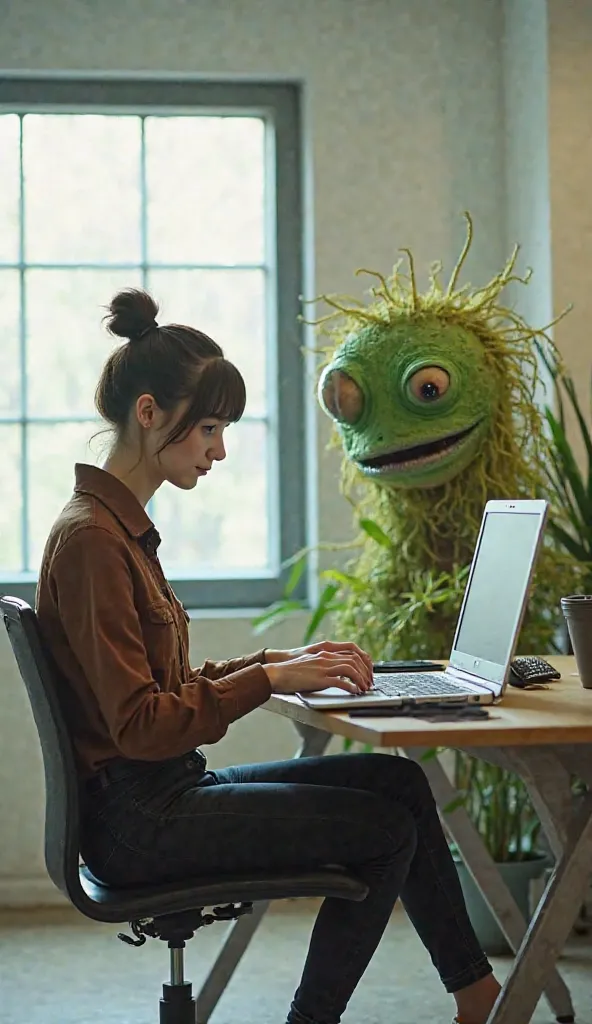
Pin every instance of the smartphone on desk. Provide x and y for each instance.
(408, 666)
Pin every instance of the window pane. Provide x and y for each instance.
(11, 375)
(52, 451)
(9, 188)
(229, 305)
(223, 523)
(66, 341)
(82, 188)
(205, 178)
(11, 504)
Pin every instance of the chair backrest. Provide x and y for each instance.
(62, 804)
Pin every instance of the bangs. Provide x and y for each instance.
(220, 394)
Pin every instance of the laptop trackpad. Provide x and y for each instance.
(333, 692)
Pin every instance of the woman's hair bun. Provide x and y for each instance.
(130, 313)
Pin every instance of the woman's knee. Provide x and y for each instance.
(392, 775)
(404, 781)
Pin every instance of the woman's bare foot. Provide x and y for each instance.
(475, 1002)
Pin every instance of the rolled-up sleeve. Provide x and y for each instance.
(217, 669)
(104, 632)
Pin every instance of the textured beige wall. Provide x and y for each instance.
(528, 212)
(570, 162)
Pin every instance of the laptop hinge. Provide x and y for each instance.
(462, 676)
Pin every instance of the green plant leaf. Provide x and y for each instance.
(376, 532)
(454, 805)
(295, 576)
(576, 549)
(429, 755)
(345, 579)
(570, 469)
(277, 612)
(322, 609)
(562, 493)
(570, 388)
(555, 373)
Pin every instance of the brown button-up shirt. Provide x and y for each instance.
(119, 638)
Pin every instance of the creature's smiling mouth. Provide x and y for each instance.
(417, 456)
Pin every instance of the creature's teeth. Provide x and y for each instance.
(389, 467)
(440, 449)
(400, 467)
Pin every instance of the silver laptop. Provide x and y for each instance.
(488, 624)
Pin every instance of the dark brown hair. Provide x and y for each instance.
(172, 363)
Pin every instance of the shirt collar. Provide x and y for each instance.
(120, 501)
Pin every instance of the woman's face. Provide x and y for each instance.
(184, 461)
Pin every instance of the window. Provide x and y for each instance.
(191, 190)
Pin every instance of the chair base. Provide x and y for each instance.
(178, 1005)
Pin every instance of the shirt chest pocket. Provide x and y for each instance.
(161, 639)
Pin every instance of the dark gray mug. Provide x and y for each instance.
(578, 615)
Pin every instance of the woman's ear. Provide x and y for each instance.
(146, 411)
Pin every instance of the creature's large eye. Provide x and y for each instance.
(340, 396)
(429, 384)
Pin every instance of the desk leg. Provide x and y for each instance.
(550, 926)
(314, 743)
(483, 870)
(237, 940)
(558, 908)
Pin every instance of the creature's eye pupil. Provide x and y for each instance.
(429, 384)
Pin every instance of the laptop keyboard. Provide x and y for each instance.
(414, 684)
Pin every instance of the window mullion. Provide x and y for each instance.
(143, 205)
(144, 236)
(23, 361)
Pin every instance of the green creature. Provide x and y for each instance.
(433, 400)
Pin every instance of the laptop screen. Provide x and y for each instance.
(496, 594)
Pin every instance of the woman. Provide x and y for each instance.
(152, 809)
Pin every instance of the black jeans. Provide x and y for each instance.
(372, 813)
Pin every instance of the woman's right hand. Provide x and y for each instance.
(317, 671)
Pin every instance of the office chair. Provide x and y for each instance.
(172, 912)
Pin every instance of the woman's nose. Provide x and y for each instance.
(219, 451)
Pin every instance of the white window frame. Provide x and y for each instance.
(280, 105)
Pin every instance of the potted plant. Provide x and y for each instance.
(570, 486)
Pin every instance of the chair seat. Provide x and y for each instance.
(113, 904)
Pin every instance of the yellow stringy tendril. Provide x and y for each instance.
(509, 462)
(433, 530)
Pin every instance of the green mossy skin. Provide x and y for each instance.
(394, 419)
(410, 597)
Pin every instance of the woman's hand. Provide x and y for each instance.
(318, 666)
(333, 646)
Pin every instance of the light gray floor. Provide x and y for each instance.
(57, 968)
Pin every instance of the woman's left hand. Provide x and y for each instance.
(323, 645)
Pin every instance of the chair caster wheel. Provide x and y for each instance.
(569, 1019)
